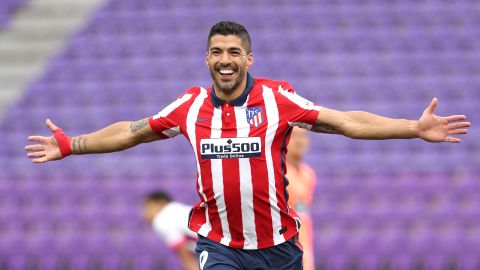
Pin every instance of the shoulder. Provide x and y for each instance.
(194, 91)
(177, 207)
(167, 217)
(187, 97)
(275, 85)
(281, 90)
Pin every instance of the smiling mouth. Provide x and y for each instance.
(226, 74)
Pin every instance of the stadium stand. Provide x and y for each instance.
(378, 205)
(7, 8)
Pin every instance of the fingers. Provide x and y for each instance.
(432, 106)
(40, 160)
(454, 118)
(51, 125)
(37, 154)
(40, 139)
(453, 140)
(457, 128)
(458, 131)
(35, 147)
(458, 125)
(37, 151)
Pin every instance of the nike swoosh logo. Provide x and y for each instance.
(201, 120)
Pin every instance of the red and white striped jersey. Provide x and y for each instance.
(240, 150)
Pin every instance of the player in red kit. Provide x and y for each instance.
(238, 129)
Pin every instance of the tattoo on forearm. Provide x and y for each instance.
(74, 145)
(323, 128)
(79, 145)
(82, 144)
(136, 126)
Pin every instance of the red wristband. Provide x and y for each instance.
(63, 142)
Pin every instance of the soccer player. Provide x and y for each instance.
(302, 180)
(238, 129)
(169, 219)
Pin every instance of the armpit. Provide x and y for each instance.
(322, 127)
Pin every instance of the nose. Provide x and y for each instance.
(225, 59)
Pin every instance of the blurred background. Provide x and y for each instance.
(377, 205)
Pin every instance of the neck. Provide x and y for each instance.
(234, 94)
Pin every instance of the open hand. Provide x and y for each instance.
(434, 128)
(47, 148)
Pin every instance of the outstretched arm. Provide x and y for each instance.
(364, 125)
(116, 137)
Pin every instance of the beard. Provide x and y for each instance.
(227, 87)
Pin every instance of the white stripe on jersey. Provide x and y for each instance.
(273, 119)
(171, 132)
(302, 102)
(280, 89)
(246, 186)
(217, 178)
(170, 108)
(192, 116)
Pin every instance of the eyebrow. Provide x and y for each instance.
(229, 49)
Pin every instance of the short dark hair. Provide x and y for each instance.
(158, 196)
(226, 28)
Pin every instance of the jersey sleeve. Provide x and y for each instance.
(298, 111)
(169, 231)
(286, 86)
(167, 122)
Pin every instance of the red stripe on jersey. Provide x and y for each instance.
(225, 198)
(170, 117)
(205, 119)
(231, 181)
(261, 199)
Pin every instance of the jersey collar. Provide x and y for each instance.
(239, 101)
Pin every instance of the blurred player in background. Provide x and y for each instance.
(238, 128)
(302, 180)
(169, 220)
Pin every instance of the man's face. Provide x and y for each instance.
(228, 62)
(151, 209)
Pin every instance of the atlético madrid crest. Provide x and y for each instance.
(255, 116)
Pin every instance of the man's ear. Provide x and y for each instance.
(249, 60)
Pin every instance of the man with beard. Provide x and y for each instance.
(238, 129)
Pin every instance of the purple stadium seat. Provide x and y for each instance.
(376, 203)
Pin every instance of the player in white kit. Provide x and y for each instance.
(169, 219)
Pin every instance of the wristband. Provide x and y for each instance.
(63, 142)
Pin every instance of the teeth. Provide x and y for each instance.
(226, 72)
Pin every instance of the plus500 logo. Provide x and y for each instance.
(230, 148)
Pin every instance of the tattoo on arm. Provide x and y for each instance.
(79, 145)
(74, 145)
(82, 144)
(323, 128)
(136, 126)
